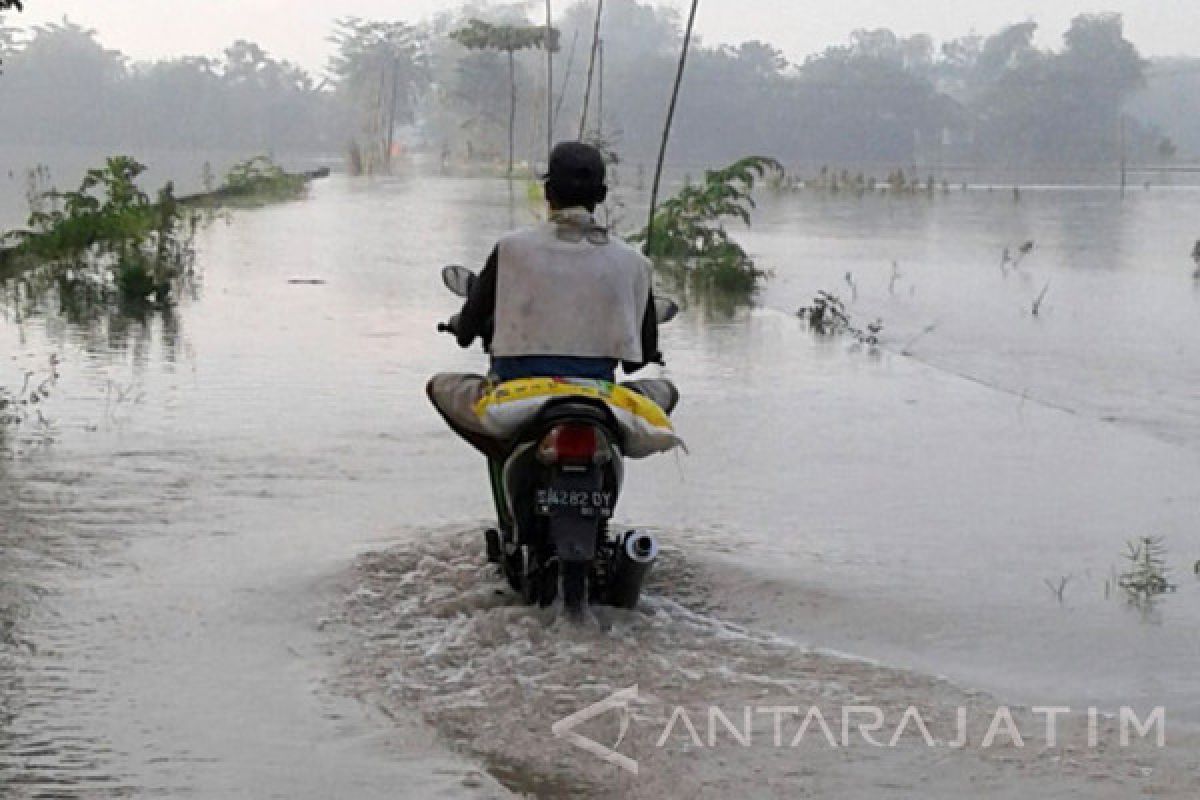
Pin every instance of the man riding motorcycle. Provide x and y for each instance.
(562, 299)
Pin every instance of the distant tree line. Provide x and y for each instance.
(890, 99)
(878, 98)
(62, 87)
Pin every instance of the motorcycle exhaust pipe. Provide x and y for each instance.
(635, 559)
(641, 548)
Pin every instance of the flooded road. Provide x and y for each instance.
(248, 515)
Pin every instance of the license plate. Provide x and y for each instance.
(553, 501)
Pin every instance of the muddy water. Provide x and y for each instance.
(185, 606)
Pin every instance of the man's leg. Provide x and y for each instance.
(660, 390)
(496, 474)
(454, 395)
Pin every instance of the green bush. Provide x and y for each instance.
(259, 181)
(687, 235)
(109, 232)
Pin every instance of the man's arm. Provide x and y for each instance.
(650, 353)
(478, 313)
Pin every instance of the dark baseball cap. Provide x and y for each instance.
(575, 165)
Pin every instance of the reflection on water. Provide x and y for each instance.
(91, 320)
(209, 457)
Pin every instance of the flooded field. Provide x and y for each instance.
(243, 562)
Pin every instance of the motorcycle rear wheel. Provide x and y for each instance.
(512, 564)
(539, 582)
(574, 580)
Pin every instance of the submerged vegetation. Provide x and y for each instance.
(18, 405)
(1144, 580)
(22, 406)
(108, 237)
(827, 316)
(688, 238)
(108, 240)
(1146, 576)
(255, 182)
(108, 250)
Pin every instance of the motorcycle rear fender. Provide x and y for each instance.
(521, 474)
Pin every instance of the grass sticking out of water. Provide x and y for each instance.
(21, 407)
(827, 316)
(1146, 577)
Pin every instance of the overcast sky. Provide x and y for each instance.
(296, 29)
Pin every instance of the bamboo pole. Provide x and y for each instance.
(587, 92)
(662, 150)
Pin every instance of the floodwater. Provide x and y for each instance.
(239, 564)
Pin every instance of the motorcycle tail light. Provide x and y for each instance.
(576, 444)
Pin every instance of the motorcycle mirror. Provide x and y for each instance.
(665, 309)
(458, 279)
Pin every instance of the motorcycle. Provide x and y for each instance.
(556, 489)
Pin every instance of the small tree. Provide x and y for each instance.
(480, 35)
(687, 231)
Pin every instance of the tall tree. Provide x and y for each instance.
(1099, 69)
(1030, 104)
(508, 39)
(8, 35)
(9, 40)
(76, 85)
(1007, 52)
(378, 68)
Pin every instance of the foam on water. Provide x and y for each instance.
(434, 629)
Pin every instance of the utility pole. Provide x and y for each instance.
(587, 91)
(1124, 158)
(549, 87)
(600, 91)
(662, 150)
